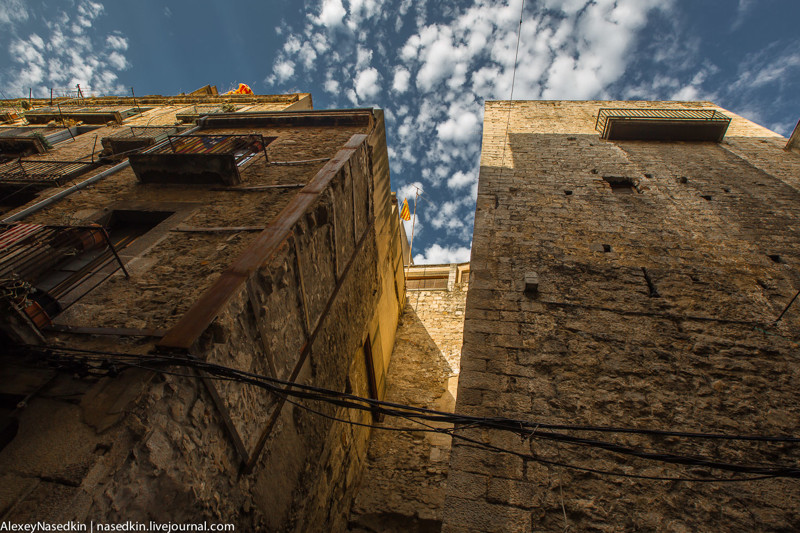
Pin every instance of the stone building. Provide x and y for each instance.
(630, 263)
(403, 485)
(247, 231)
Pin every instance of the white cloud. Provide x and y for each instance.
(437, 254)
(284, 70)
(409, 191)
(462, 179)
(117, 61)
(117, 42)
(331, 14)
(66, 55)
(331, 86)
(401, 79)
(441, 73)
(12, 11)
(460, 129)
(367, 83)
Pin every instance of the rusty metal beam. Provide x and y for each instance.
(262, 334)
(120, 332)
(298, 268)
(194, 322)
(233, 433)
(334, 239)
(273, 418)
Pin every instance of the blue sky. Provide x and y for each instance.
(429, 64)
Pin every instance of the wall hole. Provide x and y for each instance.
(706, 197)
(775, 258)
(606, 248)
(568, 193)
(620, 185)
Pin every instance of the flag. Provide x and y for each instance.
(405, 214)
(242, 89)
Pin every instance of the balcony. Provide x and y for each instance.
(24, 140)
(675, 124)
(42, 173)
(190, 114)
(88, 115)
(44, 269)
(134, 138)
(198, 159)
(8, 114)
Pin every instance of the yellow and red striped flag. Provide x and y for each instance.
(405, 214)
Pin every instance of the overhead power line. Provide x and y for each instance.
(91, 361)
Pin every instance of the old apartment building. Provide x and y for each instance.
(204, 231)
(633, 266)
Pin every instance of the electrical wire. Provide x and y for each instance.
(496, 422)
(530, 430)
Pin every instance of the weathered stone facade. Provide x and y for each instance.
(661, 267)
(288, 276)
(403, 486)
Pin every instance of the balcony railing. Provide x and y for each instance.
(192, 113)
(136, 137)
(42, 267)
(662, 124)
(41, 172)
(89, 115)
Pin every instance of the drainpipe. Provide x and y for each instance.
(82, 185)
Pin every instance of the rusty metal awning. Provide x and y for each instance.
(668, 124)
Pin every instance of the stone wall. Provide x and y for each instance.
(403, 486)
(297, 301)
(655, 309)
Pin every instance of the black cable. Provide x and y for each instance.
(497, 422)
(350, 401)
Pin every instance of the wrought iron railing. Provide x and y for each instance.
(193, 112)
(30, 171)
(241, 147)
(41, 266)
(675, 114)
(124, 110)
(154, 132)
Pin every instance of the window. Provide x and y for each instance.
(15, 196)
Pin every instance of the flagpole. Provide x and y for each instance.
(413, 223)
